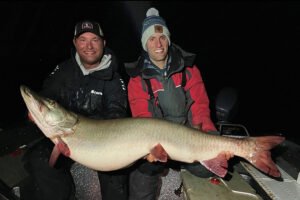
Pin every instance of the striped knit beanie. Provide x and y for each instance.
(153, 23)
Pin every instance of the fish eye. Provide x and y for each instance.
(51, 102)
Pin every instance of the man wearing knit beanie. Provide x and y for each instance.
(165, 84)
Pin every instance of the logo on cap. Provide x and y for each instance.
(87, 25)
(158, 29)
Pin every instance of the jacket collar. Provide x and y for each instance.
(103, 74)
(178, 60)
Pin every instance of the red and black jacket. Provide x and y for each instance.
(186, 104)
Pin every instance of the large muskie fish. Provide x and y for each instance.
(107, 145)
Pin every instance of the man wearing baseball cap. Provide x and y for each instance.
(88, 83)
(165, 84)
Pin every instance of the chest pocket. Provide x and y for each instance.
(172, 102)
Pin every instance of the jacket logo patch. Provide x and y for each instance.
(96, 92)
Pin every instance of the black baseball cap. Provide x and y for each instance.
(88, 26)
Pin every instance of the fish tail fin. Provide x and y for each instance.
(261, 158)
(219, 164)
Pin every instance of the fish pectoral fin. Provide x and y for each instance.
(59, 148)
(217, 165)
(158, 153)
(63, 148)
(54, 156)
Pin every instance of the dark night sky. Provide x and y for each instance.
(251, 46)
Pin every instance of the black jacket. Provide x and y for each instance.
(100, 95)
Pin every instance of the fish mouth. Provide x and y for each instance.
(33, 105)
(28, 94)
(25, 92)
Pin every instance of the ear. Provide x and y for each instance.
(104, 43)
(74, 42)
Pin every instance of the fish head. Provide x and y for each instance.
(48, 115)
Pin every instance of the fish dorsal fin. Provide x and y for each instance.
(59, 148)
(217, 165)
(158, 153)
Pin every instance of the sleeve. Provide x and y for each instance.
(115, 101)
(200, 111)
(138, 98)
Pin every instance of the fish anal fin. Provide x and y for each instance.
(158, 153)
(218, 165)
(59, 148)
